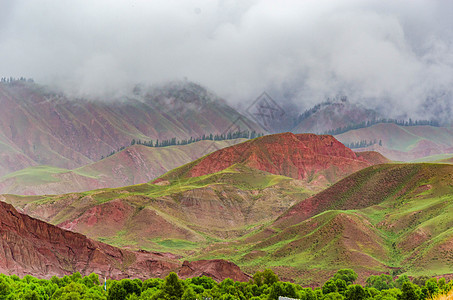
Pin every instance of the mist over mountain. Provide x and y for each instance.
(395, 57)
(39, 126)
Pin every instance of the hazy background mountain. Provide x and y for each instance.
(41, 126)
(133, 165)
(394, 57)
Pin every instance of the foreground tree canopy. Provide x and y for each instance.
(263, 285)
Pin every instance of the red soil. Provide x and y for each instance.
(294, 155)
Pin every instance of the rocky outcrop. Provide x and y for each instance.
(31, 246)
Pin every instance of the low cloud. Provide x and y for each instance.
(396, 56)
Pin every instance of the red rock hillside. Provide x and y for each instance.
(299, 156)
(31, 246)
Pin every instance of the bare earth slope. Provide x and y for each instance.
(30, 246)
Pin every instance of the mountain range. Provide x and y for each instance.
(39, 126)
(302, 204)
(404, 143)
(333, 114)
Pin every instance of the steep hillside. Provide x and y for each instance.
(30, 246)
(306, 157)
(133, 165)
(331, 115)
(394, 218)
(403, 143)
(244, 186)
(39, 126)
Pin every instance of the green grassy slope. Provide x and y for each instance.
(386, 218)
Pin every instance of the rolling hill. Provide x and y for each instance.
(40, 126)
(177, 215)
(403, 143)
(394, 218)
(306, 157)
(133, 165)
(387, 218)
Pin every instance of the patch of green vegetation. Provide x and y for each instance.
(176, 244)
(36, 175)
(433, 158)
(120, 239)
(238, 176)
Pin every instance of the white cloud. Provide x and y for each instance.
(393, 53)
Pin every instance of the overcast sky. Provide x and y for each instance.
(376, 52)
